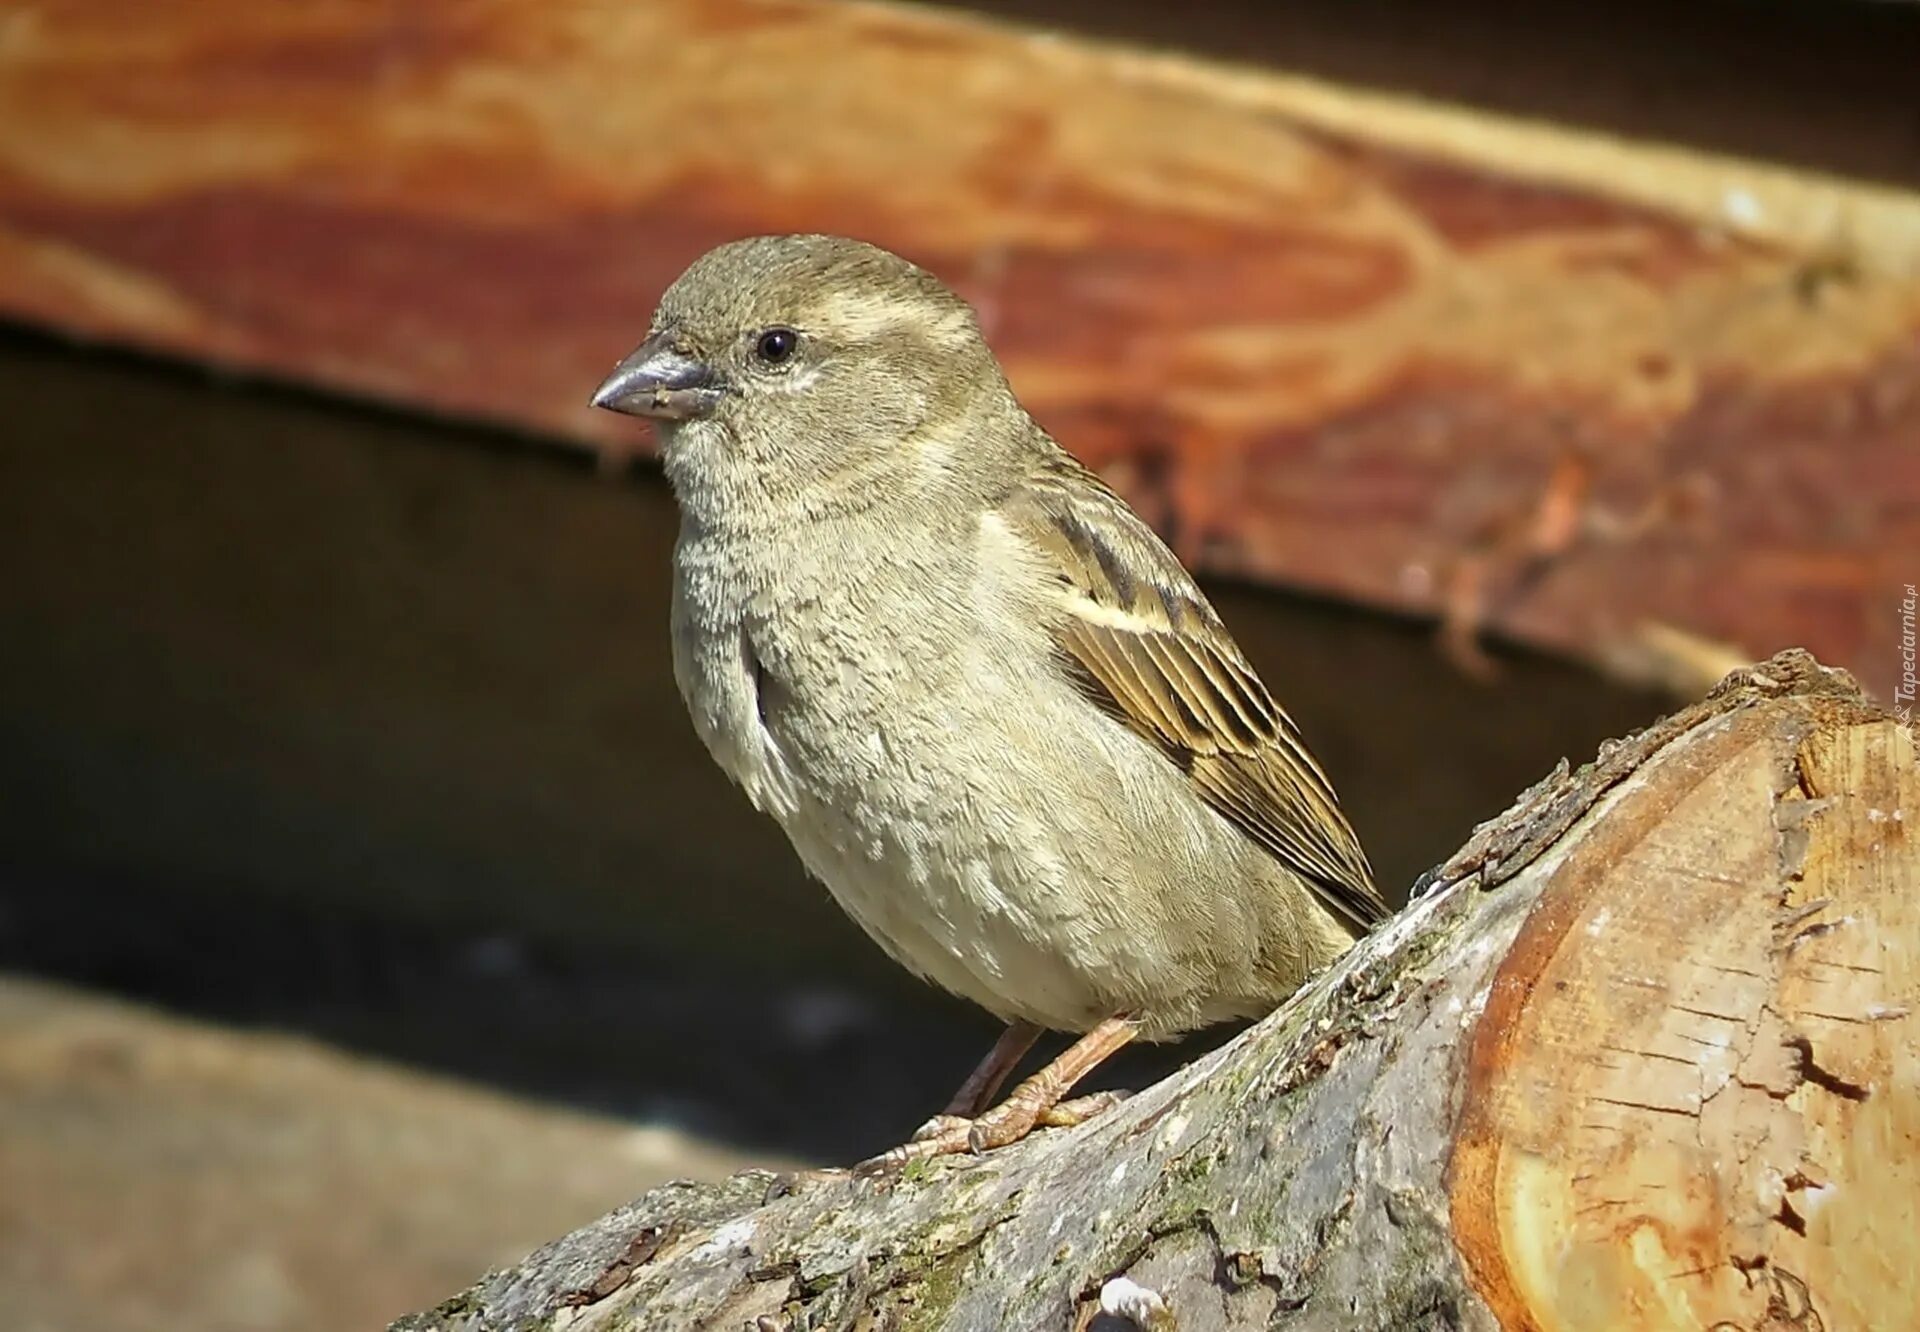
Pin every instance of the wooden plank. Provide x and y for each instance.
(1557, 384)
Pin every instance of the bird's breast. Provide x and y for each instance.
(826, 657)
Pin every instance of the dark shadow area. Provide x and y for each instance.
(1823, 84)
(318, 717)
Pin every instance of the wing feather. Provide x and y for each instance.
(1161, 662)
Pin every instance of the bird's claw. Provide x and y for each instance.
(939, 1124)
(1006, 1123)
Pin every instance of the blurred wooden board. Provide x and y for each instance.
(1393, 353)
(158, 1173)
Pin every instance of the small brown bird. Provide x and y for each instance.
(991, 710)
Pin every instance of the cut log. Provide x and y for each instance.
(1535, 380)
(1641, 1055)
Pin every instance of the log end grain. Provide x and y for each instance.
(1693, 1099)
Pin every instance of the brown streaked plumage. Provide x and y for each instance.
(992, 712)
(1159, 660)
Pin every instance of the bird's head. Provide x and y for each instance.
(806, 357)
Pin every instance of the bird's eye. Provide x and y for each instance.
(776, 345)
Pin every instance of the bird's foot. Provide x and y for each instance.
(951, 1135)
(1005, 1124)
(943, 1123)
(1040, 1099)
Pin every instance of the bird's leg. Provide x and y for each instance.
(1016, 1116)
(977, 1092)
(983, 1084)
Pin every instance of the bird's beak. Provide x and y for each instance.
(659, 380)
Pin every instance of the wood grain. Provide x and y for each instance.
(1692, 1096)
(1578, 391)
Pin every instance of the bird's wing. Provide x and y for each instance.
(1141, 637)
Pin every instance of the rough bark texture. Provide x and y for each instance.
(1641, 1056)
(1533, 380)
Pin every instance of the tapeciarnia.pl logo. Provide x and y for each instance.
(1903, 689)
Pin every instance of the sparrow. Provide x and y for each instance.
(992, 712)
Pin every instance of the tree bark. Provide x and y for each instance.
(1640, 1055)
